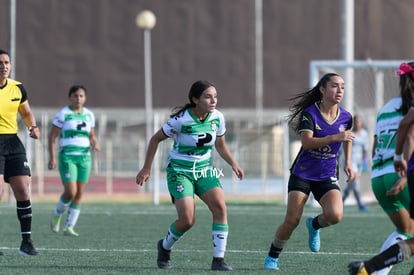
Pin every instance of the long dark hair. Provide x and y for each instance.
(196, 90)
(306, 99)
(407, 90)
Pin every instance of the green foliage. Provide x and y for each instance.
(120, 238)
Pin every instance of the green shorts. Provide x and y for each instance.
(186, 184)
(74, 168)
(390, 204)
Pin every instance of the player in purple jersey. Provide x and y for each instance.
(323, 126)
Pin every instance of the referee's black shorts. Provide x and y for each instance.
(13, 160)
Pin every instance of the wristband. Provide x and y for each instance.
(398, 157)
(32, 127)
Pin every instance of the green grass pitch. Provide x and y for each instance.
(120, 238)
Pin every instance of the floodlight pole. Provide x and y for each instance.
(348, 37)
(146, 20)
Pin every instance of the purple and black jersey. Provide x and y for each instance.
(321, 163)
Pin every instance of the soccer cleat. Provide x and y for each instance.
(357, 268)
(163, 258)
(314, 239)
(27, 248)
(271, 263)
(69, 231)
(55, 223)
(218, 264)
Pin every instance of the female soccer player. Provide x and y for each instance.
(75, 125)
(323, 126)
(195, 128)
(389, 188)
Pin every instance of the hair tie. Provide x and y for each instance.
(405, 68)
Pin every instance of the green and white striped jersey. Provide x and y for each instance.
(388, 120)
(75, 130)
(193, 139)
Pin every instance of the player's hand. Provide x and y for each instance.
(34, 132)
(345, 136)
(238, 171)
(142, 177)
(96, 147)
(400, 167)
(350, 174)
(52, 164)
(397, 187)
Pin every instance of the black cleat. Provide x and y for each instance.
(163, 259)
(219, 265)
(27, 249)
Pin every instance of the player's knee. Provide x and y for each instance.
(219, 211)
(187, 223)
(292, 222)
(334, 218)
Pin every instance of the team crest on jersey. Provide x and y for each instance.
(213, 125)
(317, 127)
(341, 128)
(325, 149)
(180, 188)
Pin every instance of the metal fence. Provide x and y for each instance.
(260, 144)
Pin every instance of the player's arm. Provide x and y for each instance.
(403, 131)
(145, 172)
(224, 152)
(348, 161)
(54, 133)
(309, 141)
(400, 164)
(94, 142)
(29, 120)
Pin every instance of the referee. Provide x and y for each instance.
(14, 167)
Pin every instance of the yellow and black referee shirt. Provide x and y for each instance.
(12, 95)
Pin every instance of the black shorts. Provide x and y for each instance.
(318, 188)
(13, 161)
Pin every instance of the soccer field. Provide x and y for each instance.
(120, 238)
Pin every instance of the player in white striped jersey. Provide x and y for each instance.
(195, 128)
(74, 125)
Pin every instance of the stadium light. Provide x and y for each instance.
(146, 21)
